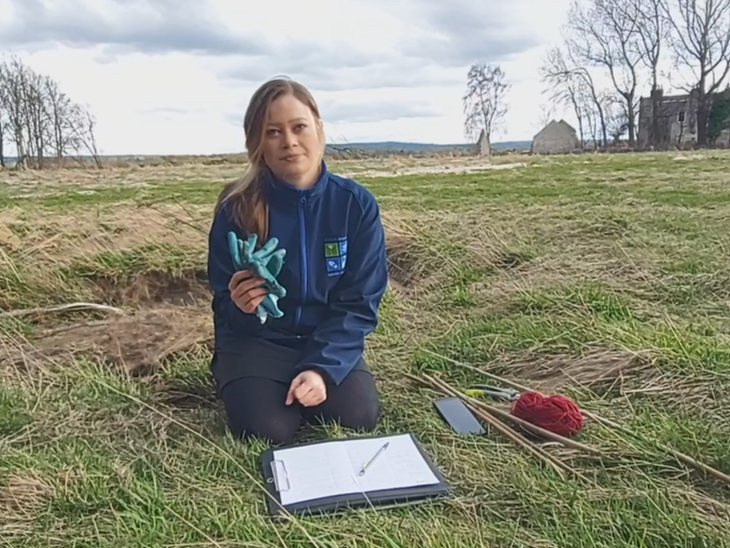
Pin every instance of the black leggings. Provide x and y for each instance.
(256, 406)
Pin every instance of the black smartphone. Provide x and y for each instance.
(457, 416)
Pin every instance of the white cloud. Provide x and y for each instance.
(174, 76)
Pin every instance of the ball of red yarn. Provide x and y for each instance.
(557, 414)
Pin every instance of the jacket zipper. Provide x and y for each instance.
(302, 258)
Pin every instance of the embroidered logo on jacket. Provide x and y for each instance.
(335, 254)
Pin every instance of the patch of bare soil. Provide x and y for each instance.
(136, 342)
(185, 395)
(405, 266)
(442, 167)
(507, 260)
(164, 315)
(153, 287)
(410, 261)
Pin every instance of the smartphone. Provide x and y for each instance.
(458, 417)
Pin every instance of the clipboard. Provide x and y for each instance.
(276, 479)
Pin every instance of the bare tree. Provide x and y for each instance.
(484, 101)
(59, 110)
(22, 100)
(617, 119)
(573, 86)
(600, 114)
(701, 42)
(39, 120)
(564, 85)
(3, 119)
(2, 139)
(605, 34)
(593, 127)
(546, 115)
(13, 101)
(82, 138)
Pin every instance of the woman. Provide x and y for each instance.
(308, 364)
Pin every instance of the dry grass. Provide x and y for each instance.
(87, 181)
(596, 369)
(603, 278)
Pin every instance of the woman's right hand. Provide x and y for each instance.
(245, 291)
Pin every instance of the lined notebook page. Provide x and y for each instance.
(331, 468)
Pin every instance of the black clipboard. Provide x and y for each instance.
(383, 499)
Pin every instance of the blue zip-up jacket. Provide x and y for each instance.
(334, 272)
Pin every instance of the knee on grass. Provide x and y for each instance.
(275, 430)
(361, 416)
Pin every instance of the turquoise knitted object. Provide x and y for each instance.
(266, 263)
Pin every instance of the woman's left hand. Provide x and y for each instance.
(308, 388)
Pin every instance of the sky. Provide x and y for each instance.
(175, 76)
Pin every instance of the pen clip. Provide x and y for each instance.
(276, 467)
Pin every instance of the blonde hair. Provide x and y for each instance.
(246, 195)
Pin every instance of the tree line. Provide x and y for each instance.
(41, 123)
(633, 43)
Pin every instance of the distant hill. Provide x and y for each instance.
(373, 146)
(425, 147)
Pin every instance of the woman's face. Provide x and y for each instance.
(292, 145)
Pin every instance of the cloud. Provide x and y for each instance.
(337, 111)
(373, 111)
(132, 26)
(339, 69)
(462, 32)
(169, 111)
(422, 42)
(301, 60)
(437, 40)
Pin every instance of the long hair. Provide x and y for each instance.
(247, 194)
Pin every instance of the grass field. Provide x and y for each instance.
(604, 278)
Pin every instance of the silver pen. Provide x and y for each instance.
(375, 456)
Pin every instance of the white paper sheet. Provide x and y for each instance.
(331, 468)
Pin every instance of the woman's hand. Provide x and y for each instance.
(245, 291)
(308, 388)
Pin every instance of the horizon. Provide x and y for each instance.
(425, 145)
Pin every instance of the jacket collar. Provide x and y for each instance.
(283, 192)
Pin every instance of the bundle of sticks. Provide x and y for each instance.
(498, 419)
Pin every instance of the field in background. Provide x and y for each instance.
(605, 278)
